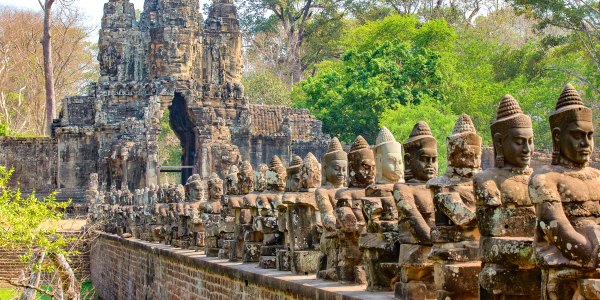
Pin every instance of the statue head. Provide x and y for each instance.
(310, 173)
(361, 163)
(572, 130)
(388, 158)
(335, 164)
(231, 181)
(194, 188)
(246, 178)
(293, 174)
(420, 155)
(215, 188)
(260, 178)
(512, 134)
(276, 175)
(464, 145)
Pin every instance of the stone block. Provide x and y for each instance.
(506, 221)
(304, 262)
(283, 260)
(508, 250)
(415, 290)
(510, 281)
(457, 280)
(251, 252)
(267, 262)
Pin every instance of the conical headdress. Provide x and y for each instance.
(569, 108)
(464, 125)
(384, 136)
(295, 164)
(334, 152)
(276, 165)
(509, 115)
(359, 144)
(420, 131)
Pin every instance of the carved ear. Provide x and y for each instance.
(498, 141)
(556, 134)
(406, 158)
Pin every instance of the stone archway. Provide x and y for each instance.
(184, 130)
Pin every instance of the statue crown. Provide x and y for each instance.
(334, 146)
(296, 161)
(508, 107)
(464, 125)
(275, 163)
(568, 97)
(359, 144)
(384, 136)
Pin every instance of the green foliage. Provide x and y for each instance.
(29, 223)
(263, 87)
(400, 120)
(349, 100)
(7, 293)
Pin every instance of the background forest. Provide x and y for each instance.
(356, 64)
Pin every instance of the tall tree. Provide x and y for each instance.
(48, 64)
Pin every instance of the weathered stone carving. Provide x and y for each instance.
(195, 196)
(227, 224)
(505, 213)
(416, 215)
(380, 241)
(350, 218)
(455, 235)
(266, 221)
(241, 215)
(253, 238)
(211, 215)
(566, 197)
(334, 177)
(302, 218)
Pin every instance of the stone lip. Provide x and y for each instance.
(305, 286)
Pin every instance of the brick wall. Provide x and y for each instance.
(133, 269)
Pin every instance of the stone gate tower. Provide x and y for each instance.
(171, 59)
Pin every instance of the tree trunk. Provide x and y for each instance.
(68, 283)
(48, 66)
(34, 280)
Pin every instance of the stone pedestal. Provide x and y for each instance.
(251, 251)
(304, 262)
(455, 280)
(283, 260)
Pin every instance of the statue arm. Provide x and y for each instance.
(486, 192)
(451, 204)
(326, 209)
(557, 228)
(408, 211)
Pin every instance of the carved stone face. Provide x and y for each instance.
(392, 168)
(335, 172)
(423, 163)
(516, 146)
(294, 179)
(195, 191)
(362, 170)
(215, 192)
(276, 180)
(464, 153)
(576, 141)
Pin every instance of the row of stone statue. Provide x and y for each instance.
(380, 215)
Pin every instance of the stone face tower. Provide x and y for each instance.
(171, 59)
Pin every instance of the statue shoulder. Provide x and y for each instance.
(543, 184)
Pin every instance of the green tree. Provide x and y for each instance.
(30, 224)
(350, 98)
(263, 87)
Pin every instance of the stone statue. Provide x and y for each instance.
(195, 191)
(380, 241)
(211, 215)
(455, 235)
(505, 213)
(242, 216)
(350, 218)
(227, 223)
(231, 181)
(416, 215)
(266, 221)
(302, 218)
(335, 172)
(252, 238)
(566, 197)
(292, 186)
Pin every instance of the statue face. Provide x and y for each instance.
(423, 164)
(392, 167)
(216, 192)
(363, 170)
(195, 191)
(462, 154)
(335, 172)
(517, 147)
(576, 141)
(276, 180)
(294, 179)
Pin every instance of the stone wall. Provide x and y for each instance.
(34, 161)
(133, 269)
